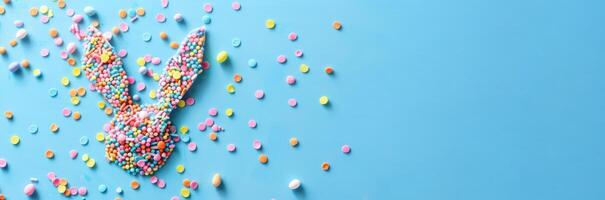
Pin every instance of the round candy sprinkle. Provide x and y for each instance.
(329, 70)
(292, 102)
(33, 128)
(178, 17)
(134, 184)
(292, 36)
(270, 24)
(294, 184)
(256, 144)
(207, 7)
(252, 123)
(290, 80)
(164, 3)
(84, 140)
(216, 180)
(236, 42)
(259, 94)
(53, 92)
(345, 149)
(262, 158)
(325, 166)
(213, 112)
(102, 188)
(119, 190)
(3, 163)
(44, 52)
(293, 142)
(298, 53)
(236, 6)
(146, 37)
(336, 25)
(222, 56)
(13, 67)
(231, 147)
(21, 33)
(192, 146)
(230, 88)
(180, 168)
(90, 11)
(73, 154)
(252, 63)
(49, 154)
(160, 18)
(15, 139)
(237, 78)
(185, 192)
(323, 100)
(29, 189)
(206, 19)
(212, 136)
(194, 185)
(281, 59)
(229, 112)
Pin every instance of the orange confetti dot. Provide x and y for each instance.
(212, 136)
(2, 50)
(54, 127)
(187, 183)
(122, 13)
(263, 158)
(134, 184)
(325, 166)
(49, 154)
(71, 61)
(12, 43)
(73, 92)
(77, 116)
(108, 111)
(174, 45)
(8, 115)
(115, 30)
(329, 70)
(33, 11)
(53, 32)
(61, 3)
(237, 78)
(336, 25)
(163, 35)
(81, 91)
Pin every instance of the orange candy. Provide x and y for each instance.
(61, 3)
(12, 43)
(49, 154)
(54, 128)
(161, 145)
(77, 115)
(174, 45)
(53, 32)
(163, 35)
(134, 184)
(263, 158)
(336, 25)
(122, 13)
(325, 166)
(81, 91)
(71, 61)
(8, 115)
(33, 11)
(212, 136)
(237, 78)
(2, 50)
(187, 183)
(329, 70)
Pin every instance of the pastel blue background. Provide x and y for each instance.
(438, 100)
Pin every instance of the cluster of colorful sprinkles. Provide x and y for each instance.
(141, 137)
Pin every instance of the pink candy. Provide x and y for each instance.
(192, 146)
(298, 53)
(164, 3)
(3, 163)
(290, 80)
(160, 18)
(252, 123)
(122, 53)
(73, 154)
(345, 148)
(236, 6)
(213, 112)
(259, 94)
(256, 144)
(231, 147)
(201, 126)
(292, 102)
(208, 7)
(71, 48)
(77, 18)
(44, 52)
(29, 189)
(281, 59)
(292, 36)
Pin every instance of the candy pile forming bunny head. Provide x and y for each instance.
(141, 137)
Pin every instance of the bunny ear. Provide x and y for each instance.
(182, 69)
(104, 69)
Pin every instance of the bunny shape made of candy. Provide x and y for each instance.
(141, 137)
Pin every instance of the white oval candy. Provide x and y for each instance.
(294, 184)
(21, 33)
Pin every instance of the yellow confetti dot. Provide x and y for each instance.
(181, 104)
(100, 137)
(156, 77)
(85, 157)
(184, 129)
(176, 75)
(141, 61)
(91, 163)
(65, 81)
(180, 168)
(185, 192)
(222, 56)
(101, 104)
(75, 100)
(304, 68)
(152, 94)
(230, 88)
(43, 9)
(270, 23)
(15, 139)
(323, 100)
(293, 141)
(37, 72)
(61, 189)
(229, 112)
(76, 71)
(105, 58)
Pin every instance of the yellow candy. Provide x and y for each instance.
(152, 94)
(91, 163)
(323, 100)
(176, 75)
(184, 129)
(304, 68)
(105, 58)
(61, 188)
(37, 72)
(100, 137)
(141, 61)
(156, 77)
(75, 100)
(230, 88)
(181, 103)
(270, 24)
(185, 192)
(65, 81)
(43, 9)
(222, 56)
(15, 139)
(229, 112)
(180, 168)
(85, 157)
(76, 71)
(101, 104)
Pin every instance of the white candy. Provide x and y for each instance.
(294, 184)
(21, 33)
(71, 48)
(90, 11)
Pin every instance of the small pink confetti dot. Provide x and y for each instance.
(236, 6)
(256, 144)
(207, 7)
(213, 112)
(190, 101)
(3, 163)
(73, 154)
(201, 126)
(252, 123)
(290, 80)
(345, 148)
(259, 94)
(292, 36)
(298, 53)
(281, 59)
(44, 52)
(192, 146)
(231, 147)
(292, 102)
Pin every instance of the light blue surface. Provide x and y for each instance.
(438, 100)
